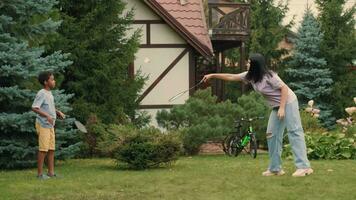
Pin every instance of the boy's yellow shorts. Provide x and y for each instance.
(46, 138)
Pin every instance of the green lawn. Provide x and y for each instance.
(200, 177)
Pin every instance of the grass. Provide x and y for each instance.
(201, 177)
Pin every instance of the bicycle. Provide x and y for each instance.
(235, 142)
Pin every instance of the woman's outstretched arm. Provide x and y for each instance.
(222, 76)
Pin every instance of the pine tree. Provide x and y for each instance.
(95, 33)
(311, 79)
(23, 25)
(267, 30)
(339, 49)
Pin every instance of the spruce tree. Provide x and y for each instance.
(339, 49)
(95, 33)
(23, 26)
(311, 79)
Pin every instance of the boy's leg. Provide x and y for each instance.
(43, 146)
(296, 135)
(50, 156)
(40, 160)
(274, 136)
(50, 164)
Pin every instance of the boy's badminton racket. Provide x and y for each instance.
(80, 126)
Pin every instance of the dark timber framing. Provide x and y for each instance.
(164, 45)
(186, 49)
(191, 70)
(156, 106)
(164, 73)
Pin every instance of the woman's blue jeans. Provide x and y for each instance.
(275, 132)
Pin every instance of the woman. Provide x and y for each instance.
(285, 113)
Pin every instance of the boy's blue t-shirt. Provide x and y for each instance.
(45, 101)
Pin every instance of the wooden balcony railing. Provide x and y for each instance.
(228, 21)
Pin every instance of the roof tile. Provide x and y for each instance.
(191, 16)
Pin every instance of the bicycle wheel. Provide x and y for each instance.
(225, 144)
(231, 145)
(253, 146)
(235, 145)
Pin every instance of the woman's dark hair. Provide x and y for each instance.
(258, 68)
(44, 76)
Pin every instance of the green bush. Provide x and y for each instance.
(327, 146)
(101, 139)
(201, 118)
(113, 137)
(147, 148)
(254, 105)
(350, 130)
(90, 139)
(310, 124)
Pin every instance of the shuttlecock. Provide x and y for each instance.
(146, 60)
(311, 103)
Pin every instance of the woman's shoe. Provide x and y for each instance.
(270, 173)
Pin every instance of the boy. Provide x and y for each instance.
(44, 106)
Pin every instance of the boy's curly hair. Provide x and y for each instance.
(44, 76)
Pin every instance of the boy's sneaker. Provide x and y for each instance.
(303, 172)
(53, 176)
(270, 173)
(43, 177)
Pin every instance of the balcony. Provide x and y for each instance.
(229, 23)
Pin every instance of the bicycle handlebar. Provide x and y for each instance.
(248, 119)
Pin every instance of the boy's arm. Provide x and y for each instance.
(36, 107)
(43, 114)
(60, 114)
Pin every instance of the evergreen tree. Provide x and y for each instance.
(339, 49)
(267, 30)
(311, 79)
(23, 25)
(95, 33)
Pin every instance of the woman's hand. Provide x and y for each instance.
(207, 77)
(281, 113)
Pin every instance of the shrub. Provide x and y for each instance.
(201, 118)
(254, 105)
(113, 137)
(310, 124)
(101, 139)
(327, 146)
(147, 148)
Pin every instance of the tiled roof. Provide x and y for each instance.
(188, 19)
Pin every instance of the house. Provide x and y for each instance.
(175, 33)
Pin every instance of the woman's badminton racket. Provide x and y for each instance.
(181, 93)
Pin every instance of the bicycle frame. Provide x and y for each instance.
(234, 143)
(245, 138)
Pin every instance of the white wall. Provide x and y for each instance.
(142, 11)
(164, 34)
(153, 61)
(174, 82)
